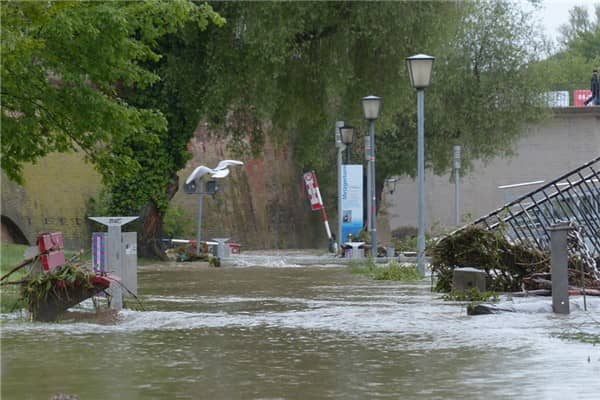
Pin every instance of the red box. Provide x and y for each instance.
(235, 248)
(580, 96)
(52, 260)
(50, 241)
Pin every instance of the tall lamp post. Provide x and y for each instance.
(340, 148)
(371, 106)
(347, 133)
(420, 67)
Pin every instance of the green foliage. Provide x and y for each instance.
(571, 67)
(178, 222)
(10, 256)
(396, 272)
(505, 263)
(471, 295)
(582, 337)
(63, 64)
(390, 272)
(57, 283)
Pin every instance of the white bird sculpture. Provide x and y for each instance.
(220, 171)
(227, 163)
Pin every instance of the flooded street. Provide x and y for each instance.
(302, 332)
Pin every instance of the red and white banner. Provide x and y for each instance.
(312, 190)
(314, 196)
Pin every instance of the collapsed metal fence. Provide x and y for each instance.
(574, 197)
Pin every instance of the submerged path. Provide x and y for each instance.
(301, 332)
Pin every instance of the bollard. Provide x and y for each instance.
(467, 278)
(223, 249)
(559, 264)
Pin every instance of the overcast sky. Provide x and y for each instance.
(555, 13)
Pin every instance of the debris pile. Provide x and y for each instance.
(509, 267)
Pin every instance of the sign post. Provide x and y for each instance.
(314, 196)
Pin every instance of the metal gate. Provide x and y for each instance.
(575, 197)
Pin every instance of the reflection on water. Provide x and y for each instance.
(301, 333)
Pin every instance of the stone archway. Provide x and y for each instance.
(10, 232)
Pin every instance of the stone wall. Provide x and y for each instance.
(260, 205)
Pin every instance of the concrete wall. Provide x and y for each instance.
(546, 151)
(53, 198)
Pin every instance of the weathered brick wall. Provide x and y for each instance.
(261, 204)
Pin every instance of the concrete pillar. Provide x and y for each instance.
(559, 261)
(468, 278)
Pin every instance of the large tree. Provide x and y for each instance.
(63, 67)
(302, 65)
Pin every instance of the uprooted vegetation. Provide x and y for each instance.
(509, 267)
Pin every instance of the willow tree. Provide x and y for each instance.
(303, 65)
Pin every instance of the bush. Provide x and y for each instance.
(395, 272)
(390, 272)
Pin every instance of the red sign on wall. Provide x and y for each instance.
(580, 96)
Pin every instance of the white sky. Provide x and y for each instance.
(555, 13)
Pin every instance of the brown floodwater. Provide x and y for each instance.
(281, 331)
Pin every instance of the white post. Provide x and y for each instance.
(457, 184)
(199, 228)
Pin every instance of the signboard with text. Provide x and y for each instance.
(352, 200)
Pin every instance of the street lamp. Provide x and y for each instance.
(371, 106)
(420, 67)
(190, 187)
(347, 133)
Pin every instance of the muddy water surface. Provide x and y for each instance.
(290, 332)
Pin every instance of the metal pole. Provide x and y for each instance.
(200, 198)
(421, 182)
(559, 264)
(340, 148)
(457, 183)
(114, 262)
(373, 206)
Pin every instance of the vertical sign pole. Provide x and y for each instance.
(457, 184)
(198, 232)
(114, 262)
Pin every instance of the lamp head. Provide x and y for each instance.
(347, 133)
(371, 106)
(420, 68)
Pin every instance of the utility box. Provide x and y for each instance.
(128, 259)
(116, 252)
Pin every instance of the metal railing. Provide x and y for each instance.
(574, 196)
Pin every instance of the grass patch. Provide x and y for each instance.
(389, 272)
(10, 255)
(582, 337)
(471, 295)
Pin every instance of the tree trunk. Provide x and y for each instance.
(151, 224)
